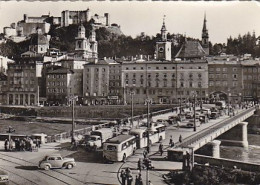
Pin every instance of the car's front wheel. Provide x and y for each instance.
(69, 166)
(47, 167)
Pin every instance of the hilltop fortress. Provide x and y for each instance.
(29, 25)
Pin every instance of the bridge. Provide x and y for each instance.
(231, 131)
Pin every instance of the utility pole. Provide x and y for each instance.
(72, 99)
(132, 108)
(194, 110)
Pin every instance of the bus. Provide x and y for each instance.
(119, 148)
(155, 136)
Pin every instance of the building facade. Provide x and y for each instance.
(59, 86)
(226, 80)
(3, 88)
(23, 81)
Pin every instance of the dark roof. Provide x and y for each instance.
(61, 71)
(119, 139)
(191, 49)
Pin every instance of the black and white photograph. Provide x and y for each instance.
(129, 92)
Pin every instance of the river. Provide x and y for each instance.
(251, 154)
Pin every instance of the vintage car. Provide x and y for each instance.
(56, 161)
(4, 178)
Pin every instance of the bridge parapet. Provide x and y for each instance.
(207, 135)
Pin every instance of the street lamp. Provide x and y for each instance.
(132, 107)
(229, 94)
(148, 102)
(72, 98)
(194, 94)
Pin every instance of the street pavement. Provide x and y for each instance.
(22, 166)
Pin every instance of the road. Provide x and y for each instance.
(22, 166)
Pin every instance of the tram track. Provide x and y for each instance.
(62, 178)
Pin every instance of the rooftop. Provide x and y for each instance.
(191, 49)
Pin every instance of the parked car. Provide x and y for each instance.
(56, 161)
(188, 115)
(173, 119)
(190, 123)
(162, 121)
(204, 119)
(93, 142)
(4, 178)
(214, 115)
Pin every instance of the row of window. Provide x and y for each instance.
(21, 89)
(56, 76)
(56, 90)
(224, 69)
(161, 68)
(222, 83)
(21, 74)
(57, 83)
(224, 76)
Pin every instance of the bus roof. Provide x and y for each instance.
(119, 139)
(138, 130)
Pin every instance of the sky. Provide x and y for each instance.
(224, 19)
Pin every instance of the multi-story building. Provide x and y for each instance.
(3, 88)
(59, 86)
(251, 78)
(225, 80)
(23, 81)
(96, 82)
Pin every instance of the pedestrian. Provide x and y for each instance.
(150, 183)
(138, 180)
(178, 124)
(11, 145)
(6, 144)
(180, 139)
(129, 179)
(123, 177)
(170, 143)
(161, 149)
(145, 153)
(139, 165)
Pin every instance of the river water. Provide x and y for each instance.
(251, 154)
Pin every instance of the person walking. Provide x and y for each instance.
(145, 153)
(171, 141)
(123, 177)
(139, 165)
(161, 149)
(180, 139)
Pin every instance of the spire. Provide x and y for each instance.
(163, 30)
(205, 23)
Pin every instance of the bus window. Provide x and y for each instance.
(124, 146)
(111, 147)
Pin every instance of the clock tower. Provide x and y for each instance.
(163, 47)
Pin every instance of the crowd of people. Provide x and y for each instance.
(24, 144)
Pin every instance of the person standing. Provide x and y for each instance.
(123, 177)
(145, 153)
(161, 149)
(180, 139)
(139, 165)
(170, 143)
(6, 144)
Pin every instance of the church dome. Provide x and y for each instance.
(39, 39)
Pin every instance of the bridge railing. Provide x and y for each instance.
(210, 130)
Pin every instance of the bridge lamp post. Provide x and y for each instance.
(132, 107)
(229, 94)
(72, 98)
(148, 102)
(194, 94)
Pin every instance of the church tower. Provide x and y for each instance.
(93, 44)
(82, 44)
(163, 47)
(205, 37)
